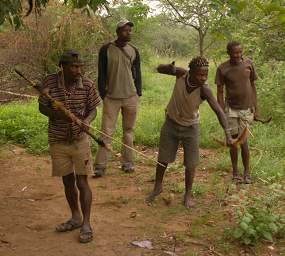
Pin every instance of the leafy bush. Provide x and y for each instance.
(259, 218)
(271, 90)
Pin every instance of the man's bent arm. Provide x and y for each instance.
(220, 96)
(91, 116)
(52, 114)
(171, 69)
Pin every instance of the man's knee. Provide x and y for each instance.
(244, 146)
(128, 132)
(190, 168)
(161, 165)
(81, 182)
(68, 180)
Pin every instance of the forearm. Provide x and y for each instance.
(220, 97)
(168, 69)
(223, 122)
(207, 94)
(91, 116)
(222, 118)
(47, 111)
(171, 69)
(53, 114)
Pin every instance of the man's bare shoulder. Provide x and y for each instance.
(206, 88)
(248, 61)
(224, 65)
(206, 92)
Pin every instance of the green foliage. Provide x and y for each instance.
(200, 17)
(271, 89)
(12, 10)
(73, 30)
(259, 25)
(23, 124)
(258, 218)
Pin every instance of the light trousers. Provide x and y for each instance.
(111, 109)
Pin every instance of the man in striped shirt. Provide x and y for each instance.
(69, 145)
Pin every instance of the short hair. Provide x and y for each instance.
(198, 62)
(232, 44)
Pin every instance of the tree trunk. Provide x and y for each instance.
(201, 43)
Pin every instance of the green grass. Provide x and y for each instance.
(22, 123)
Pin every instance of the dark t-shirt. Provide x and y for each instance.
(237, 80)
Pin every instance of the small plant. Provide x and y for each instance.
(198, 190)
(258, 218)
(177, 188)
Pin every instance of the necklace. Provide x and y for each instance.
(189, 88)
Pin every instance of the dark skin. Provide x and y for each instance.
(197, 78)
(124, 35)
(73, 183)
(235, 54)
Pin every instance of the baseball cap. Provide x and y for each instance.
(123, 23)
(70, 56)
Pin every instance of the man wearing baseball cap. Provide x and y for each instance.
(69, 145)
(119, 84)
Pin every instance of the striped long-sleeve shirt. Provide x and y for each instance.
(80, 99)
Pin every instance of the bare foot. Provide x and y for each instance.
(153, 195)
(188, 201)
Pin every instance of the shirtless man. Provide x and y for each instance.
(237, 76)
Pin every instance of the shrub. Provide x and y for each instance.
(259, 218)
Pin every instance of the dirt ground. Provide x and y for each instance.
(32, 203)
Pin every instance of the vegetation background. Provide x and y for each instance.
(174, 30)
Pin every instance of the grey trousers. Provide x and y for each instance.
(111, 108)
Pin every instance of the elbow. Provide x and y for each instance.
(41, 108)
(165, 69)
(160, 68)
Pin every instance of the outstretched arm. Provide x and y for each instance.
(207, 94)
(171, 69)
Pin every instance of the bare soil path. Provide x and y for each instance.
(32, 203)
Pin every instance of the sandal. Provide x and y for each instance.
(85, 236)
(247, 180)
(237, 179)
(68, 226)
(99, 172)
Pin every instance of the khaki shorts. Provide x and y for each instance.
(171, 135)
(238, 119)
(72, 157)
